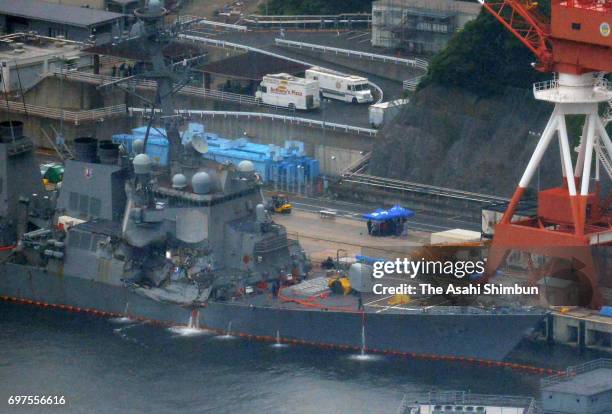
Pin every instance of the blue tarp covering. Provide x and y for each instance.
(393, 213)
(606, 311)
(368, 260)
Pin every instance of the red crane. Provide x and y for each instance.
(573, 225)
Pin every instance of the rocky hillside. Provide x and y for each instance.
(453, 138)
(471, 124)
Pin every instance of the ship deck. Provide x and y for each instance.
(314, 295)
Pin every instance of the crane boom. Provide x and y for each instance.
(523, 21)
(575, 39)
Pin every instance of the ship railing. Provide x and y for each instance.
(602, 363)
(468, 398)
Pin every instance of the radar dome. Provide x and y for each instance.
(142, 164)
(154, 4)
(246, 166)
(179, 181)
(201, 183)
(138, 146)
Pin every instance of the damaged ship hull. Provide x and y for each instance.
(453, 333)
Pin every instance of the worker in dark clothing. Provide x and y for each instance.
(114, 71)
(275, 288)
(328, 263)
(369, 227)
(359, 302)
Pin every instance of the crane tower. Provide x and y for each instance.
(573, 222)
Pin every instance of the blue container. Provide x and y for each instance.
(606, 311)
(157, 146)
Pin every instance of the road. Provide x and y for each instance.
(425, 221)
(331, 110)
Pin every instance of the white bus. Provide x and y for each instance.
(288, 91)
(354, 89)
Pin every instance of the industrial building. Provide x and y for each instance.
(583, 389)
(54, 20)
(117, 6)
(26, 59)
(419, 26)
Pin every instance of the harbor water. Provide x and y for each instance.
(116, 366)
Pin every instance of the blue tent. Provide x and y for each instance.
(377, 215)
(398, 211)
(393, 213)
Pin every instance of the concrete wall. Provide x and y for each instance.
(345, 148)
(71, 96)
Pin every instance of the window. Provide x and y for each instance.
(264, 89)
(73, 202)
(94, 206)
(74, 239)
(576, 26)
(83, 204)
(85, 241)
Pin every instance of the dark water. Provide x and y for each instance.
(102, 366)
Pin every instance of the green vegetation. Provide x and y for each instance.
(315, 6)
(484, 58)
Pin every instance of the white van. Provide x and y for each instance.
(354, 89)
(288, 91)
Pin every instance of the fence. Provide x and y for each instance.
(312, 123)
(70, 116)
(409, 84)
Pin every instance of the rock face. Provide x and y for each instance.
(451, 138)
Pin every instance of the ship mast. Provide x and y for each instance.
(155, 39)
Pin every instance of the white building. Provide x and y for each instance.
(421, 26)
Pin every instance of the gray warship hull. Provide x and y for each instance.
(454, 333)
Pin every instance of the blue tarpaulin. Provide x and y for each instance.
(393, 213)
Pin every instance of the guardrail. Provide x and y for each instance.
(414, 62)
(312, 123)
(407, 186)
(570, 372)
(409, 84)
(256, 19)
(146, 84)
(191, 20)
(56, 113)
(412, 84)
(235, 46)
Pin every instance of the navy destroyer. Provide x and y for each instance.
(192, 243)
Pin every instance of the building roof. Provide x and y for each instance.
(252, 66)
(57, 13)
(133, 49)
